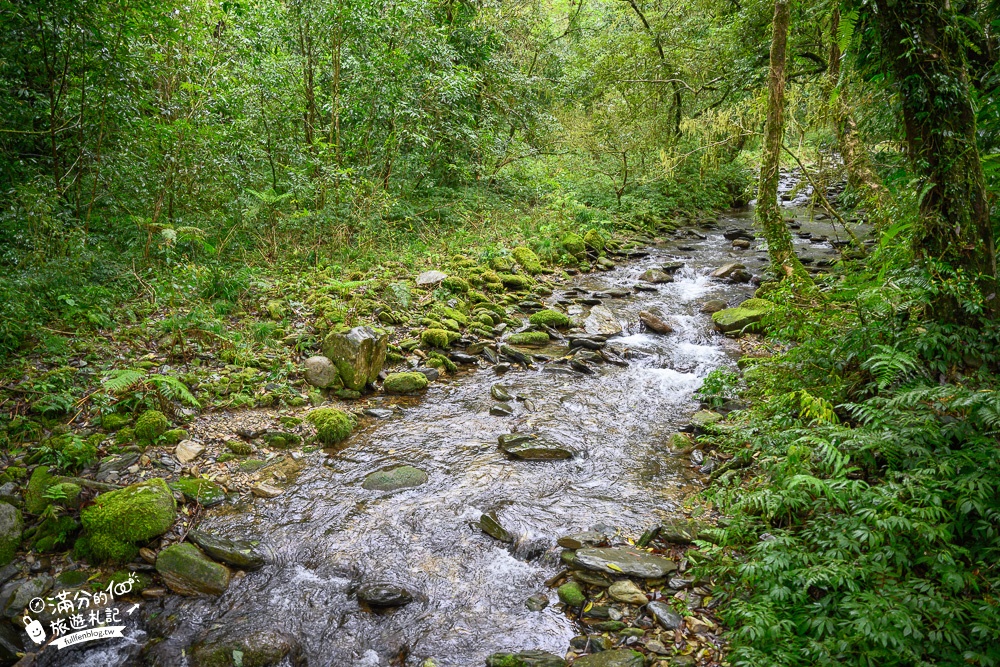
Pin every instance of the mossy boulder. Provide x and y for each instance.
(500, 263)
(446, 313)
(456, 284)
(527, 260)
(119, 520)
(594, 242)
(359, 355)
(200, 490)
(66, 494)
(573, 244)
(34, 494)
(550, 318)
(54, 534)
(11, 528)
(114, 421)
(571, 595)
(332, 425)
(515, 281)
(529, 339)
(174, 435)
(440, 338)
(404, 383)
(187, 571)
(239, 447)
(150, 426)
(745, 317)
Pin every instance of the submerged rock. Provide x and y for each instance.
(712, 306)
(502, 410)
(499, 393)
(537, 602)
(580, 540)
(383, 596)
(391, 479)
(620, 560)
(359, 355)
(238, 553)
(532, 448)
(187, 571)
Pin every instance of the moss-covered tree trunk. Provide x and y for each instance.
(923, 44)
(779, 239)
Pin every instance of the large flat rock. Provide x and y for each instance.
(617, 560)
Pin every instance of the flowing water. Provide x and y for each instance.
(326, 534)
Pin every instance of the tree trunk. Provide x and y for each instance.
(861, 175)
(779, 239)
(925, 52)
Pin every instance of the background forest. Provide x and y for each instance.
(173, 173)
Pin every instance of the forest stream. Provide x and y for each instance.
(326, 535)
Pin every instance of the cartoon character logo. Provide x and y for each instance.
(34, 629)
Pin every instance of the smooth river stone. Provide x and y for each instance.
(531, 448)
(391, 479)
(664, 615)
(625, 561)
(384, 595)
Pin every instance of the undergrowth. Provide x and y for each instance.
(867, 530)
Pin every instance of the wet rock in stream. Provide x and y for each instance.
(395, 478)
(384, 596)
(532, 448)
(618, 560)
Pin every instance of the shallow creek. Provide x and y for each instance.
(326, 534)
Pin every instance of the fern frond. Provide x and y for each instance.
(122, 380)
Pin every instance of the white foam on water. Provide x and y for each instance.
(675, 383)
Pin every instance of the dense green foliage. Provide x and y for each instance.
(218, 185)
(868, 530)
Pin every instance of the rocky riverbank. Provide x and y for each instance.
(569, 338)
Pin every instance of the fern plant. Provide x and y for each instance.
(136, 388)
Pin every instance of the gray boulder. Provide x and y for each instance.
(320, 372)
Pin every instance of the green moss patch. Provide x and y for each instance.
(332, 425)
